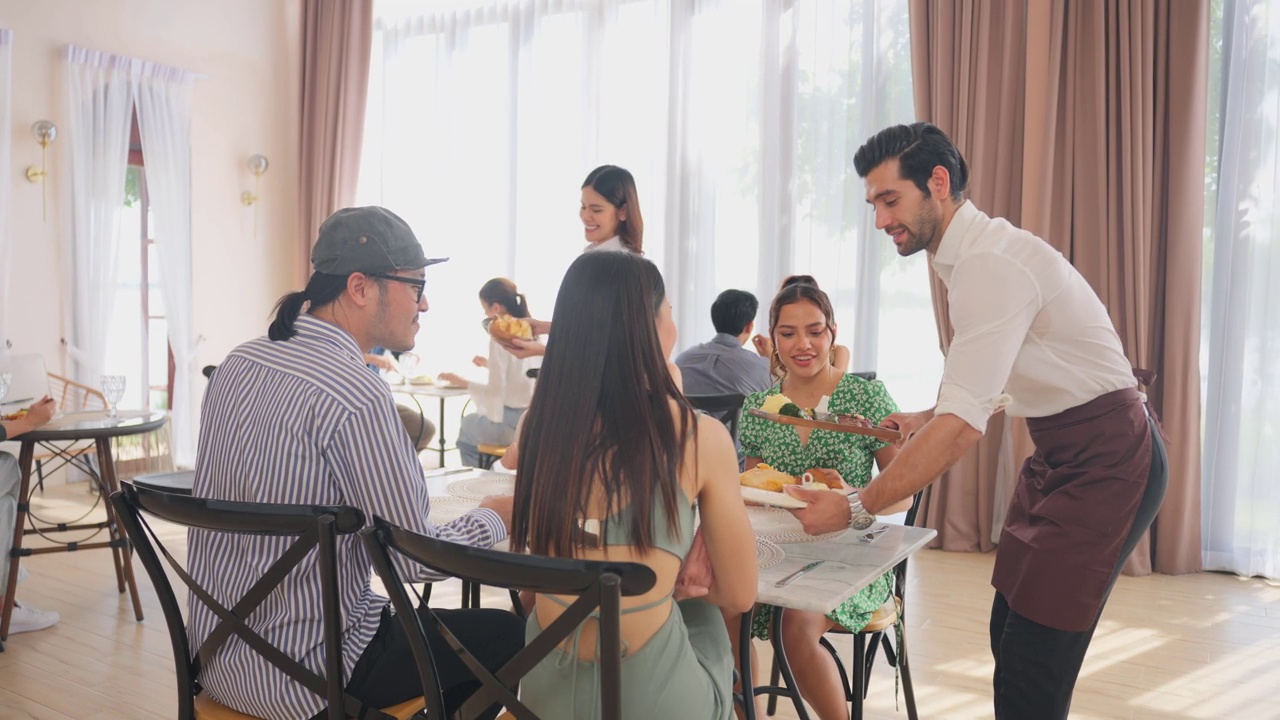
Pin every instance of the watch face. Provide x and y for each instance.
(862, 521)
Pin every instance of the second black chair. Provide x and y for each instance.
(598, 586)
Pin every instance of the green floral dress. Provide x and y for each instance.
(850, 454)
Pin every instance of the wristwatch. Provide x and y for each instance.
(859, 518)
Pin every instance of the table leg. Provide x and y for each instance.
(441, 432)
(780, 657)
(19, 524)
(747, 679)
(108, 472)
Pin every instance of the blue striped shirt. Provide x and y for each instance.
(303, 421)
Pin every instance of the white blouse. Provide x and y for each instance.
(613, 244)
(508, 385)
(1031, 335)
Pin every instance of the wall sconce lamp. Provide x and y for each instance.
(257, 166)
(45, 132)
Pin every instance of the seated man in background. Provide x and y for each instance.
(421, 430)
(297, 418)
(24, 618)
(723, 366)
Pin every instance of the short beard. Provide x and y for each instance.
(926, 222)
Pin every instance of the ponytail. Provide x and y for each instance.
(287, 310)
(321, 290)
(503, 291)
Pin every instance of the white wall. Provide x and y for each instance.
(249, 103)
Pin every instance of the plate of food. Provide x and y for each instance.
(779, 408)
(763, 484)
(422, 380)
(16, 415)
(505, 328)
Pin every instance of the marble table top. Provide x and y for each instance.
(850, 564)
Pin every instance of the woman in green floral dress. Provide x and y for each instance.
(803, 330)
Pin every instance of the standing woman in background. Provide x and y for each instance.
(611, 221)
(503, 399)
(610, 211)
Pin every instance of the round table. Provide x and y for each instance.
(60, 436)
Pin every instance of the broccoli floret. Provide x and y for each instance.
(791, 410)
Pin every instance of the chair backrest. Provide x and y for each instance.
(314, 526)
(73, 396)
(598, 584)
(726, 408)
(900, 570)
(865, 374)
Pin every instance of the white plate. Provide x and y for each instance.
(775, 499)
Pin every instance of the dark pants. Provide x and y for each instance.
(386, 674)
(1036, 665)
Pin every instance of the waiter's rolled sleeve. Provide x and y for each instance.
(992, 303)
(955, 401)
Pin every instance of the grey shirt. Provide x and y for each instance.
(723, 366)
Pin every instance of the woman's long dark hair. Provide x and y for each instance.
(600, 421)
(791, 294)
(503, 291)
(321, 290)
(617, 186)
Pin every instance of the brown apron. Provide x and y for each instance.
(1072, 509)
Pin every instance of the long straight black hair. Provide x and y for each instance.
(600, 421)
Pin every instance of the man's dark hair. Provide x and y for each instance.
(919, 147)
(733, 310)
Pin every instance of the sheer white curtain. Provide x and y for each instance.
(6, 180)
(100, 108)
(164, 97)
(738, 118)
(1241, 498)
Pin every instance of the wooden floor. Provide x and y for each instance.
(1196, 646)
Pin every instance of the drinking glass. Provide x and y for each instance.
(112, 390)
(5, 380)
(409, 365)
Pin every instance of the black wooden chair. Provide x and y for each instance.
(887, 629)
(598, 585)
(726, 408)
(316, 527)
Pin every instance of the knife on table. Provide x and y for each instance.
(787, 580)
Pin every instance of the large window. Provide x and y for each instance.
(1241, 323)
(139, 347)
(739, 120)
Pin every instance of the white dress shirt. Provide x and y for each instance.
(509, 386)
(1031, 335)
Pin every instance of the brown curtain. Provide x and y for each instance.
(1121, 194)
(1111, 172)
(336, 44)
(966, 59)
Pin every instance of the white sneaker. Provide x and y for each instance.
(28, 619)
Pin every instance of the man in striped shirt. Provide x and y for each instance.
(296, 417)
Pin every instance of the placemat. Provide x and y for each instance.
(478, 488)
(781, 526)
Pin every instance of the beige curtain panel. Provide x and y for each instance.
(336, 44)
(1084, 123)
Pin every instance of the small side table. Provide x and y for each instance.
(56, 437)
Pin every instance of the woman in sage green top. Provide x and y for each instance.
(612, 459)
(803, 329)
